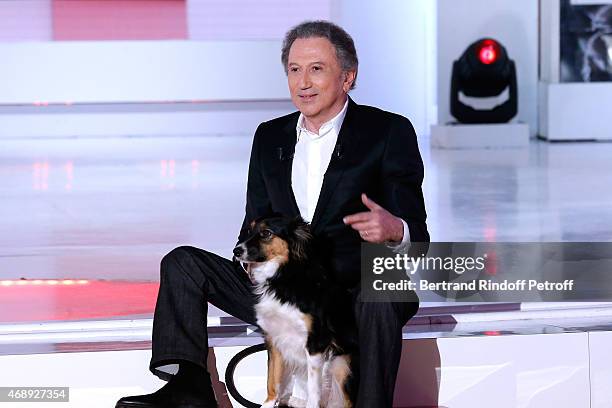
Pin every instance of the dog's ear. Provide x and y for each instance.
(301, 237)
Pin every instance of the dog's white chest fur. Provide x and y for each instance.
(286, 326)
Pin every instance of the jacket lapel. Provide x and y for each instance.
(286, 151)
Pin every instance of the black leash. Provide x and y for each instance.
(229, 374)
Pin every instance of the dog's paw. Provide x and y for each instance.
(269, 404)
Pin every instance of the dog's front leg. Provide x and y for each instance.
(275, 376)
(315, 375)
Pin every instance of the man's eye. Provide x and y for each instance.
(293, 69)
(265, 234)
(316, 68)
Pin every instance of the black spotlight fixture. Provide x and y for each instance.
(483, 71)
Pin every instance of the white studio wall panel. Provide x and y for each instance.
(216, 119)
(140, 71)
(238, 60)
(395, 40)
(396, 47)
(252, 20)
(513, 22)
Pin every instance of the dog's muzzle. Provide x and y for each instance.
(239, 252)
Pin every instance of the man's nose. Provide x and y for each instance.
(305, 82)
(238, 251)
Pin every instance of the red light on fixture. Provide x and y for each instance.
(488, 52)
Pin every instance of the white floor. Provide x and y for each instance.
(110, 208)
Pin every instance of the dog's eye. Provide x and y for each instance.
(265, 234)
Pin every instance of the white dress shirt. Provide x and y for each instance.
(312, 156)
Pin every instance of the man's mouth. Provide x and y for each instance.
(307, 98)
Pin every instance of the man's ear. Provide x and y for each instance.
(349, 79)
(301, 237)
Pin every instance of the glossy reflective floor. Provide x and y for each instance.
(111, 208)
(548, 192)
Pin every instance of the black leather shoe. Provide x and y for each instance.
(163, 399)
(179, 392)
(149, 401)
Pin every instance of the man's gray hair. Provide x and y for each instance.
(340, 39)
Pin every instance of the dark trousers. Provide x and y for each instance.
(191, 277)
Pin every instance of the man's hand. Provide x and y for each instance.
(377, 225)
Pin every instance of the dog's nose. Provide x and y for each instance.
(238, 251)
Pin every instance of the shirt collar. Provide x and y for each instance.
(334, 123)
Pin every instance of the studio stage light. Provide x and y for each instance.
(484, 71)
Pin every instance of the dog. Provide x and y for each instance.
(308, 321)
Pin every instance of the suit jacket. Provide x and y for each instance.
(376, 153)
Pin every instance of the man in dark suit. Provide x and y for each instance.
(353, 171)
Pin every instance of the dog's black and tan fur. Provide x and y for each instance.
(308, 321)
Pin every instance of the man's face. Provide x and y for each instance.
(317, 83)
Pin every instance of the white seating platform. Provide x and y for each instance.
(502, 355)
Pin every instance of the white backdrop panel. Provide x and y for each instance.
(139, 71)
